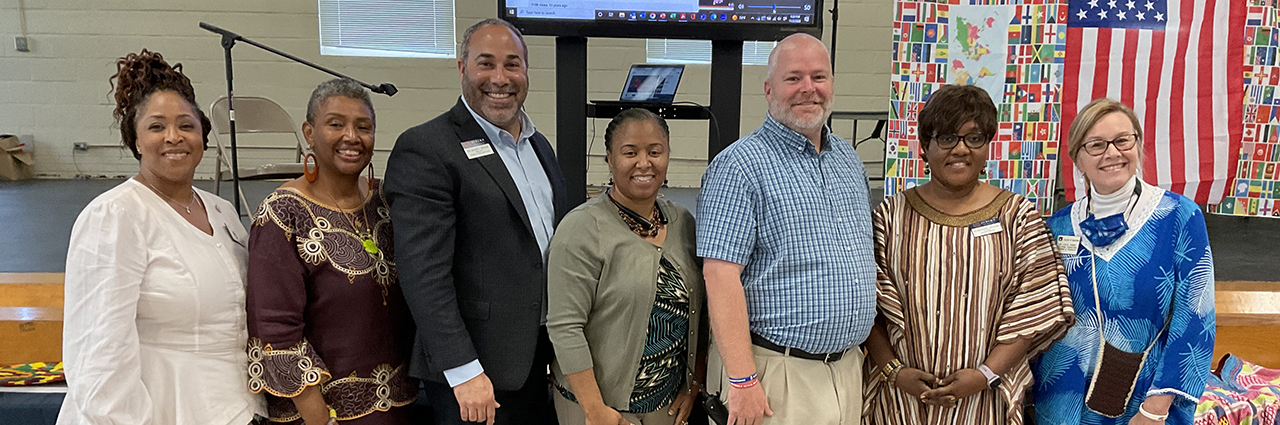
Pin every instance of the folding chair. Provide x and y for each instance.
(254, 115)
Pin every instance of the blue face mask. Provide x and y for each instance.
(1104, 231)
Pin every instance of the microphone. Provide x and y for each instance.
(385, 88)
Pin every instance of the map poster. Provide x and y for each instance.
(1014, 50)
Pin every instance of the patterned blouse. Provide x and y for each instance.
(325, 308)
(662, 365)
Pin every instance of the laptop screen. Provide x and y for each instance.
(652, 83)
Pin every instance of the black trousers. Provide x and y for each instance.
(531, 404)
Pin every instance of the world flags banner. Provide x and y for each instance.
(1256, 188)
(1012, 49)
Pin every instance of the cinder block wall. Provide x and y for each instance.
(58, 92)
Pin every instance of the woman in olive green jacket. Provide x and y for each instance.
(626, 292)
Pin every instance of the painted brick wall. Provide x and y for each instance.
(59, 94)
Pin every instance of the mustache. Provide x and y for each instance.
(819, 99)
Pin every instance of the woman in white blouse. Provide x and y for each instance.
(154, 329)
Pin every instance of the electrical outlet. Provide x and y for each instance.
(82, 146)
(21, 44)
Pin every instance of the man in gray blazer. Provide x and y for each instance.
(475, 195)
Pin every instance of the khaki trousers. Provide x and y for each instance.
(800, 391)
(570, 413)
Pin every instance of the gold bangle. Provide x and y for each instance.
(890, 371)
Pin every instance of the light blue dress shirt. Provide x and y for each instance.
(535, 192)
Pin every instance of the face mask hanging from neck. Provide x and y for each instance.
(1104, 231)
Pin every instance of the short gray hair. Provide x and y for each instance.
(466, 37)
(337, 87)
(786, 43)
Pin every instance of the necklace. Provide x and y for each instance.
(366, 236)
(187, 207)
(645, 227)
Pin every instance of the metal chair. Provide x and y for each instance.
(254, 115)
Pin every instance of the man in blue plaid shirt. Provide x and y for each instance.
(784, 223)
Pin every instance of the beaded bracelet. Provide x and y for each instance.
(746, 382)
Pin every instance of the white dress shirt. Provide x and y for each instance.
(154, 324)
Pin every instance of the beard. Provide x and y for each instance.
(781, 111)
(480, 103)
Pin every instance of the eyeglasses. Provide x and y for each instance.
(1097, 147)
(971, 140)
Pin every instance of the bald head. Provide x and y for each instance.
(798, 43)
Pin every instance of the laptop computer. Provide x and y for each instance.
(648, 84)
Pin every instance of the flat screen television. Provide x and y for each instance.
(690, 19)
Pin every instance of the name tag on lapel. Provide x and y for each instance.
(986, 227)
(477, 148)
(1068, 244)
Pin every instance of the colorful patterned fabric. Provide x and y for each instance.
(1256, 189)
(662, 365)
(23, 375)
(1241, 393)
(1014, 50)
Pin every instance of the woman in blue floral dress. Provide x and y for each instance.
(1141, 275)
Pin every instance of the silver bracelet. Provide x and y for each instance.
(1152, 416)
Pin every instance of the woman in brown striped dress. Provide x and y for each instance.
(969, 285)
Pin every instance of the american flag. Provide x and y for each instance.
(1178, 64)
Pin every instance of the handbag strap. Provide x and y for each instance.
(1102, 320)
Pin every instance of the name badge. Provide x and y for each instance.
(986, 227)
(477, 148)
(1068, 244)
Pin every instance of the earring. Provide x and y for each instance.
(309, 173)
(926, 168)
(664, 182)
(371, 180)
(610, 180)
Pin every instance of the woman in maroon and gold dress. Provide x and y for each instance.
(330, 334)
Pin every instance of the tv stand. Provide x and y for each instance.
(572, 110)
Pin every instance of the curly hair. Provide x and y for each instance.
(137, 77)
(344, 87)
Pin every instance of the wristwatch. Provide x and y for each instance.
(993, 380)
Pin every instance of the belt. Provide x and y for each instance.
(795, 352)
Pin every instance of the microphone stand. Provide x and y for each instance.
(229, 40)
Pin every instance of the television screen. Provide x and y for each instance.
(696, 19)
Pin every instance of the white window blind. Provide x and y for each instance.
(659, 50)
(387, 28)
